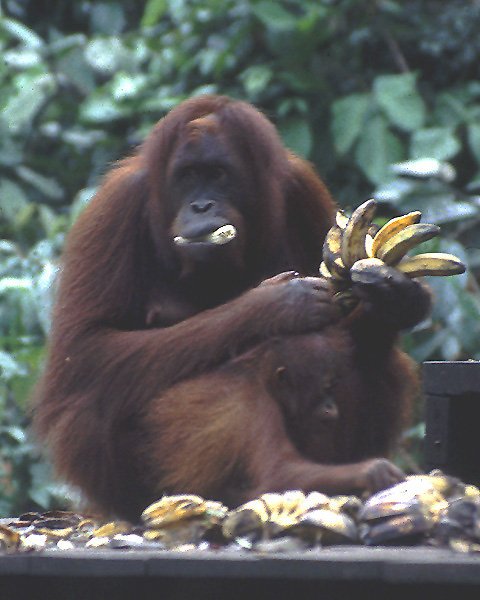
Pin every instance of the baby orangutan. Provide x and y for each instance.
(293, 412)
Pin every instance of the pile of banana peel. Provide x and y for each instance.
(356, 250)
(434, 510)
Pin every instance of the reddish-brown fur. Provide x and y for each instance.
(260, 422)
(150, 385)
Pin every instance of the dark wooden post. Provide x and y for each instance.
(452, 418)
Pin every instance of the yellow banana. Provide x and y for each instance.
(341, 219)
(324, 271)
(431, 263)
(372, 232)
(338, 270)
(173, 508)
(355, 249)
(392, 227)
(284, 507)
(395, 247)
(333, 241)
(436, 480)
(332, 248)
(369, 246)
(353, 238)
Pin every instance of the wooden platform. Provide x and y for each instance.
(336, 572)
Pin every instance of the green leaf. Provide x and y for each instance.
(15, 283)
(256, 79)
(41, 490)
(450, 110)
(9, 367)
(126, 86)
(435, 142)
(470, 329)
(50, 220)
(444, 209)
(23, 34)
(12, 200)
(101, 109)
(45, 185)
(16, 433)
(473, 132)
(21, 59)
(26, 216)
(451, 348)
(67, 42)
(474, 184)
(74, 68)
(377, 149)
(106, 55)
(274, 16)
(11, 150)
(424, 349)
(161, 103)
(83, 139)
(348, 119)
(297, 135)
(208, 59)
(201, 90)
(154, 11)
(394, 191)
(24, 105)
(292, 105)
(80, 201)
(399, 99)
(8, 248)
(107, 17)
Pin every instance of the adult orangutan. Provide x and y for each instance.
(198, 253)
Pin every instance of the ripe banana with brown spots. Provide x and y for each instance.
(332, 255)
(372, 270)
(355, 231)
(394, 248)
(431, 263)
(355, 249)
(391, 228)
(341, 219)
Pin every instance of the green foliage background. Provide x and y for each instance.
(353, 86)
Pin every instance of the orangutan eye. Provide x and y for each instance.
(218, 174)
(189, 173)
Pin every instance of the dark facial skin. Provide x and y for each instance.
(206, 193)
(306, 382)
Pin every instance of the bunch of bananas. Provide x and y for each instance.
(357, 250)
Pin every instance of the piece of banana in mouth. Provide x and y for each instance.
(221, 235)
